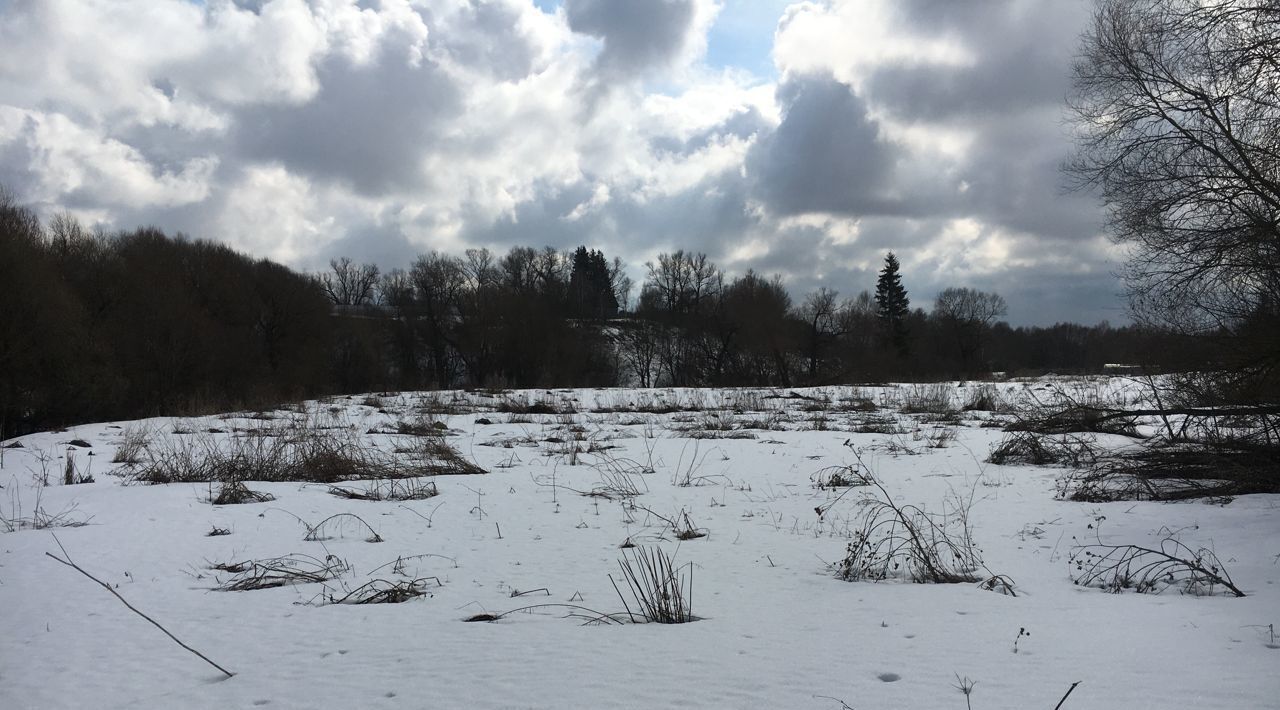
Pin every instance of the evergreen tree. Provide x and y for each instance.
(892, 305)
(591, 286)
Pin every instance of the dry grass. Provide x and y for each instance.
(237, 493)
(280, 572)
(299, 451)
(391, 489)
(133, 442)
(933, 398)
(381, 591)
(661, 592)
(840, 477)
(338, 526)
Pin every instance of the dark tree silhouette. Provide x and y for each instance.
(892, 305)
(968, 314)
(1178, 128)
(591, 288)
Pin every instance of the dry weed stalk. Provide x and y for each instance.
(281, 572)
(906, 542)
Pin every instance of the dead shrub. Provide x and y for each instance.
(1026, 447)
(1116, 568)
(1162, 470)
(1073, 419)
(840, 477)
(906, 542)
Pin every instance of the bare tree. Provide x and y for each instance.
(438, 281)
(680, 284)
(968, 314)
(350, 284)
(821, 315)
(621, 283)
(1178, 127)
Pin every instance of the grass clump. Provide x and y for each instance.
(133, 443)
(927, 399)
(984, 398)
(661, 592)
(237, 493)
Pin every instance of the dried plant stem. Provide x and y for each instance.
(66, 560)
(1064, 697)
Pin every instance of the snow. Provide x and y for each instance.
(775, 628)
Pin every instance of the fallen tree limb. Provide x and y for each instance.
(67, 561)
(1224, 411)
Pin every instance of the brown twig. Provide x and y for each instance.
(67, 561)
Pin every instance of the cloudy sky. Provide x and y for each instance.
(799, 138)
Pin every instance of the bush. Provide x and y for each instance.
(906, 542)
(1116, 568)
(1042, 450)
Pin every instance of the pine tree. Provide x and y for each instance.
(590, 288)
(892, 305)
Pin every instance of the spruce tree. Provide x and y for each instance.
(590, 288)
(892, 305)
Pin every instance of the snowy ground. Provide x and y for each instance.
(776, 628)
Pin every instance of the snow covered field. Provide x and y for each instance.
(775, 626)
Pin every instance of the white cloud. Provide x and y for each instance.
(296, 128)
(849, 38)
(65, 159)
(274, 214)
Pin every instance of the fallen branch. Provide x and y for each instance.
(1064, 697)
(66, 560)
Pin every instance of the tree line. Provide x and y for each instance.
(137, 323)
